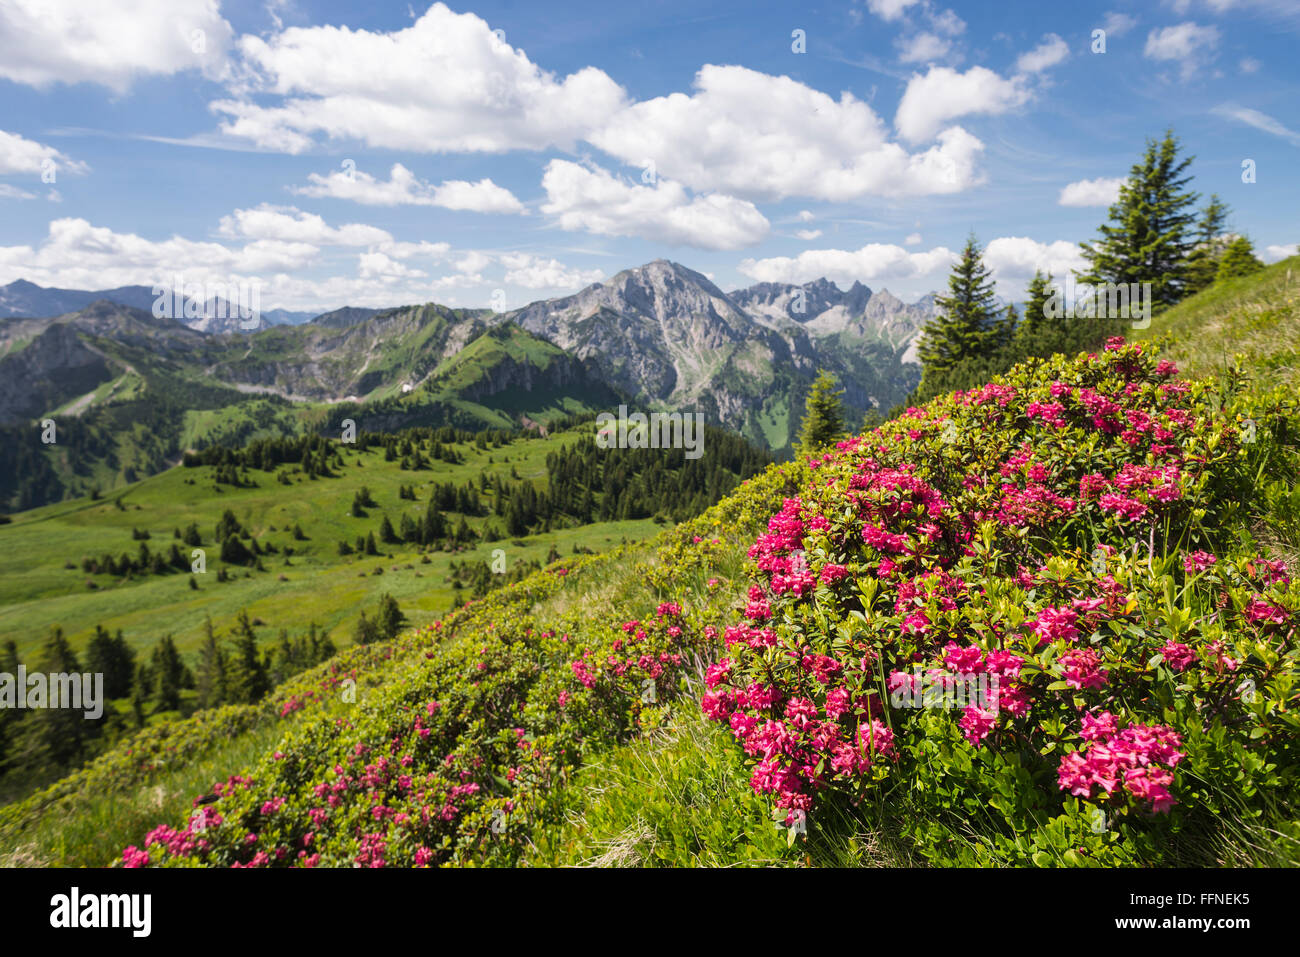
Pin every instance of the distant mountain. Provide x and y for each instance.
(660, 336)
(667, 335)
(23, 298)
(342, 318)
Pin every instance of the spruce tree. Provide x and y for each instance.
(1238, 260)
(247, 681)
(114, 659)
(966, 315)
(1148, 237)
(211, 678)
(1203, 260)
(389, 618)
(823, 418)
(1037, 328)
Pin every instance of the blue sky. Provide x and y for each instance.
(387, 153)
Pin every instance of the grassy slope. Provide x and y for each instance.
(677, 794)
(38, 591)
(1256, 317)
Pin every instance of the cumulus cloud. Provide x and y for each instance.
(913, 239)
(581, 198)
(808, 234)
(76, 254)
(404, 188)
(288, 224)
(1274, 253)
(1013, 259)
(944, 94)
(922, 48)
(890, 9)
(1190, 44)
(446, 83)
(802, 143)
(71, 41)
(875, 261)
(21, 155)
(1049, 53)
(1102, 191)
(536, 272)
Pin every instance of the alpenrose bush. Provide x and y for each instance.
(456, 757)
(1073, 535)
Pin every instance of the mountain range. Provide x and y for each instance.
(660, 336)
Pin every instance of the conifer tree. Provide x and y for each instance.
(1238, 260)
(1203, 260)
(1148, 237)
(823, 418)
(247, 681)
(963, 327)
(211, 678)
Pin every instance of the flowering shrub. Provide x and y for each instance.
(454, 758)
(1071, 535)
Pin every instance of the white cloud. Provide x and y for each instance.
(1260, 121)
(943, 94)
(874, 261)
(1118, 24)
(1013, 259)
(890, 9)
(808, 234)
(13, 192)
(596, 201)
(404, 188)
(1049, 53)
(945, 21)
(288, 224)
(1249, 65)
(21, 155)
(78, 255)
(473, 262)
(801, 143)
(1188, 43)
(913, 239)
(73, 41)
(446, 83)
(1091, 192)
(922, 48)
(1273, 254)
(534, 272)
(805, 216)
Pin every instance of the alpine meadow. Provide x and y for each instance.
(563, 436)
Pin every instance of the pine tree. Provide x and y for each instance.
(1203, 260)
(1238, 260)
(1148, 237)
(211, 679)
(959, 347)
(1037, 328)
(389, 618)
(114, 659)
(170, 674)
(823, 418)
(247, 681)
